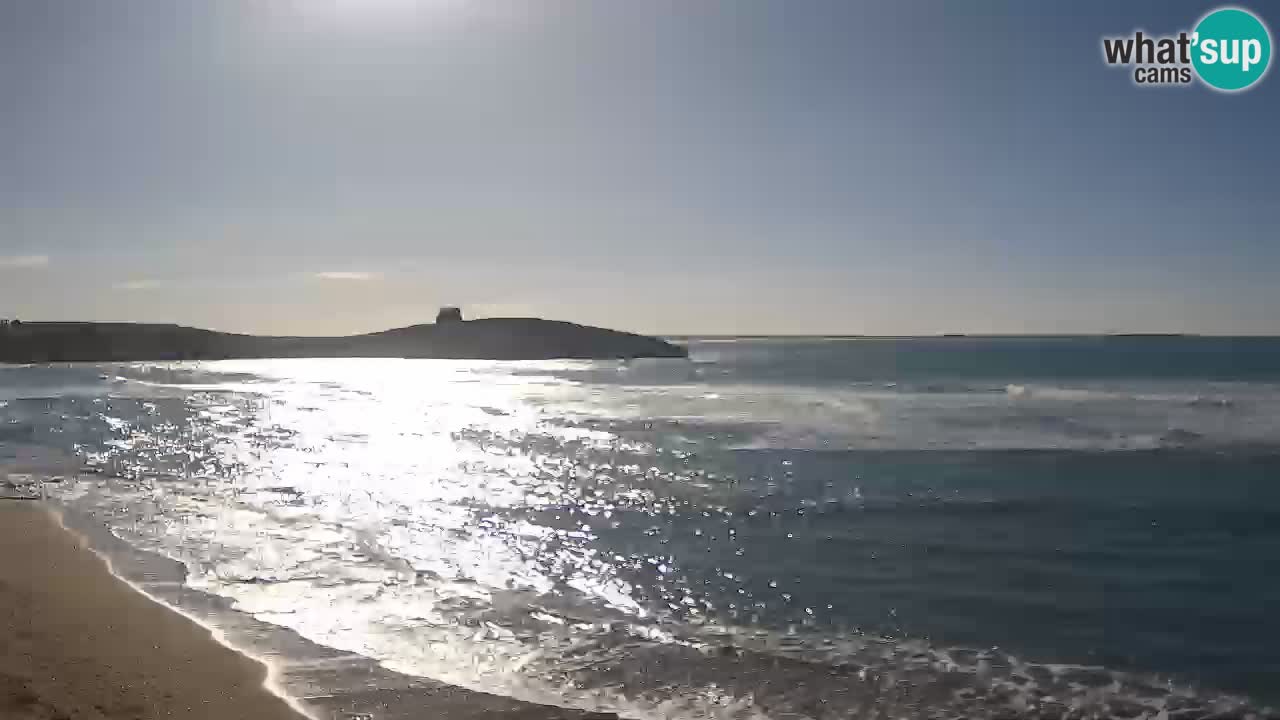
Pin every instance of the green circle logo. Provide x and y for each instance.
(1231, 49)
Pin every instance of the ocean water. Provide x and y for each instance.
(828, 528)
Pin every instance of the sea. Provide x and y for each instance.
(782, 528)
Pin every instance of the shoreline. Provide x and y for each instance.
(86, 643)
(328, 684)
(280, 674)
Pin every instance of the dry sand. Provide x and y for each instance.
(77, 643)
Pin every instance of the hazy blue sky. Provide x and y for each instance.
(795, 166)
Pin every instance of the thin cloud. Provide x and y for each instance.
(347, 275)
(24, 261)
(136, 285)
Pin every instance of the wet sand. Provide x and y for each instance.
(77, 642)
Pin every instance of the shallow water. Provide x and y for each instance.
(826, 528)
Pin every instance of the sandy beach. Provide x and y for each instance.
(77, 643)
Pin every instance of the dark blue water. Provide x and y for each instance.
(1064, 358)
(1148, 560)
(1151, 558)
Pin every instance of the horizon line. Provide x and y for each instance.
(739, 336)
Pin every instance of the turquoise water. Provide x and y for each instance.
(1051, 527)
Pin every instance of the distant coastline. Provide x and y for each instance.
(487, 339)
(958, 336)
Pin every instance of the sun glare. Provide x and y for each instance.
(379, 15)
(386, 10)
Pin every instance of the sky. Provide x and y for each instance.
(672, 167)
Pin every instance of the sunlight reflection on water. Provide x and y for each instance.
(572, 532)
(390, 508)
